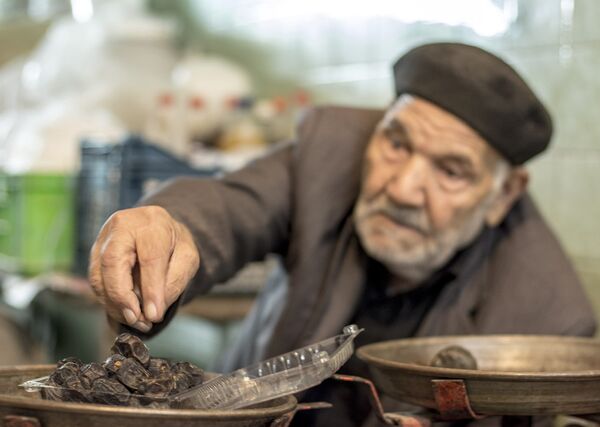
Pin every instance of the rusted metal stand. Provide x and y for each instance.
(451, 399)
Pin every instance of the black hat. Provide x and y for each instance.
(483, 91)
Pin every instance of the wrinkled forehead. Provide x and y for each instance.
(399, 104)
(417, 117)
(411, 111)
(407, 106)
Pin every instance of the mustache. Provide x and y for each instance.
(405, 216)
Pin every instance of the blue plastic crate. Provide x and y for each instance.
(116, 176)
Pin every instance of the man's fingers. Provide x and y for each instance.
(143, 324)
(116, 258)
(113, 322)
(182, 267)
(153, 254)
(129, 265)
(95, 272)
(95, 276)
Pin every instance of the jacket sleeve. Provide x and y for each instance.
(235, 219)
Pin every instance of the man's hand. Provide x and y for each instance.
(140, 263)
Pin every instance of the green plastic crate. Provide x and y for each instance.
(36, 223)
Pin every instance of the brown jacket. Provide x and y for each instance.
(297, 201)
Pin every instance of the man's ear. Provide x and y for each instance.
(512, 189)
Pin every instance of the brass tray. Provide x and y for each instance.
(16, 403)
(516, 374)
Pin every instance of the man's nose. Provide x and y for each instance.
(408, 185)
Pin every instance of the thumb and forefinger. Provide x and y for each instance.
(183, 265)
(139, 269)
(167, 259)
(154, 252)
(111, 261)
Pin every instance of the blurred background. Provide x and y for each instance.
(102, 100)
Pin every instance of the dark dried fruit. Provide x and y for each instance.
(73, 383)
(141, 401)
(134, 401)
(157, 387)
(131, 346)
(72, 360)
(61, 375)
(132, 374)
(52, 392)
(109, 391)
(195, 373)
(91, 372)
(128, 377)
(113, 363)
(75, 391)
(158, 367)
(181, 382)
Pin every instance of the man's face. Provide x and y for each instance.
(427, 184)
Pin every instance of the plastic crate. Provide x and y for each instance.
(116, 176)
(36, 223)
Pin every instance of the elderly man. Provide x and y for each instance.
(411, 222)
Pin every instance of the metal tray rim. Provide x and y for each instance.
(364, 353)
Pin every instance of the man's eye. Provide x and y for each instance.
(452, 172)
(396, 143)
(393, 139)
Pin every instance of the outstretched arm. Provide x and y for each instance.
(193, 230)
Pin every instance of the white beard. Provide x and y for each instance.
(413, 259)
